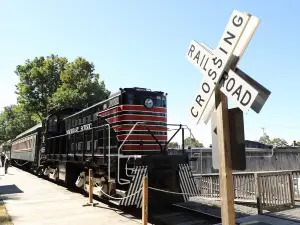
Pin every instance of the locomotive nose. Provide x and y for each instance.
(164, 178)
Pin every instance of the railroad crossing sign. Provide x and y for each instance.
(220, 74)
(219, 69)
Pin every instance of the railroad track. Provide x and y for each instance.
(178, 215)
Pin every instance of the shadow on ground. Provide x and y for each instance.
(10, 189)
(285, 215)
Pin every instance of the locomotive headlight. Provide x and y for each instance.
(149, 103)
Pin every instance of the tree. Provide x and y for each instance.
(275, 141)
(39, 80)
(195, 142)
(13, 121)
(53, 83)
(265, 139)
(173, 145)
(298, 143)
(80, 86)
(278, 142)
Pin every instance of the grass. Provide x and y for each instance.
(4, 217)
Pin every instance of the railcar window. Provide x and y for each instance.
(52, 124)
(79, 146)
(68, 122)
(95, 145)
(88, 145)
(89, 118)
(84, 120)
(95, 116)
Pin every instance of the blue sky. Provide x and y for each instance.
(143, 43)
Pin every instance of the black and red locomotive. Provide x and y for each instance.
(122, 139)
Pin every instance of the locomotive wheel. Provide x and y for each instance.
(39, 171)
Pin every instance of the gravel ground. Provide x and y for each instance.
(4, 217)
(213, 207)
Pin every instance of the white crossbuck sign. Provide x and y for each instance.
(218, 67)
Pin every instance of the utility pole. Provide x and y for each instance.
(264, 134)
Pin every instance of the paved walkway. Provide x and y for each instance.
(33, 201)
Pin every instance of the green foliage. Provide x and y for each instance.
(298, 143)
(275, 141)
(13, 121)
(39, 80)
(278, 142)
(80, 86)
(173, 145)
(195, 143)
(48, 84)
(265, 139)
(52, 83)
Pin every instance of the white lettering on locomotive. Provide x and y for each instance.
(80, 128)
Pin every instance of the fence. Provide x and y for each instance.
(269, 190)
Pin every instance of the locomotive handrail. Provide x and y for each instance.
(105, 125)
(126, 181)
(108, 151)
(126, 169)
(192, 135)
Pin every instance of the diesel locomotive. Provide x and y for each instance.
(122, 138)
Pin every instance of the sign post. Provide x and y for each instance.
(222, 79)
(225, 168)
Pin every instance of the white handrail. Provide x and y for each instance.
(126, 181)
(108, 151)
(126, 169)
(192, 135)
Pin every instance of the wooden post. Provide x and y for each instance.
(91, 186)
(257, 193)
(145, 202)
(225, 168)
(292, 190)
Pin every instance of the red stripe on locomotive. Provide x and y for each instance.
(142, 137)
(140, 127)
(131, 108)
(127, 116)
(143, 108)
(129, 147)
(110, 111)
(134, 117)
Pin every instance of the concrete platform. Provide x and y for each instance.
(33, 201)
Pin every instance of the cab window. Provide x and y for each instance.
(52, 125)
(129, 99)
(164, 101)
(158, 102)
